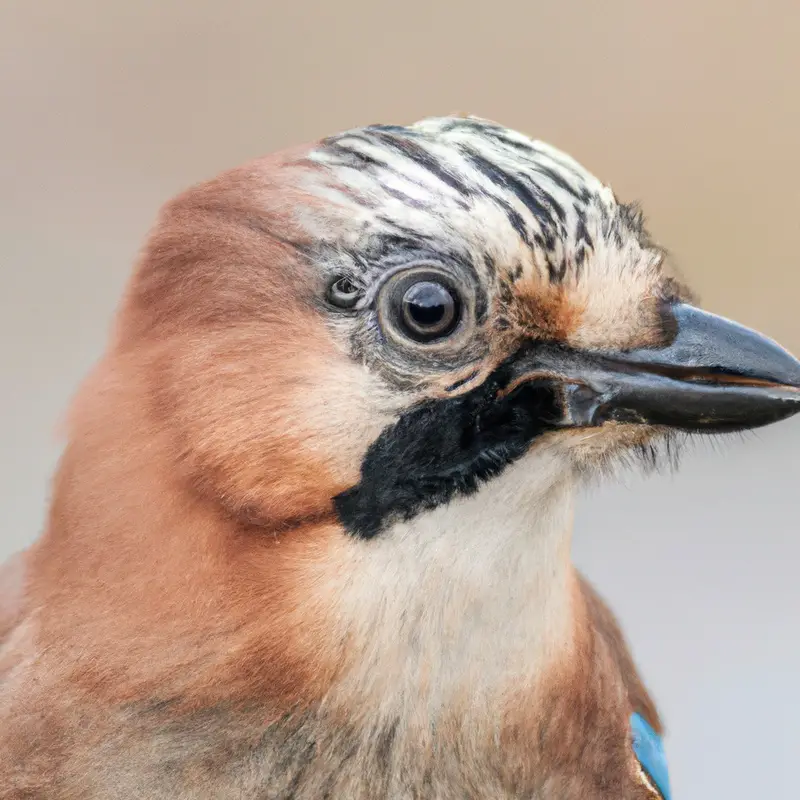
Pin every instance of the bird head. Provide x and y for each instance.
(317, 496)
(371, 327)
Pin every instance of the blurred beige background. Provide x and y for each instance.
(107, 108)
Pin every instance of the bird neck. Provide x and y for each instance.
(468, 599)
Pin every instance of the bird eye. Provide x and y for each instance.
(343, 293)
(422, 305)
(429, 311)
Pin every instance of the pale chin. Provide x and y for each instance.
(616, 445)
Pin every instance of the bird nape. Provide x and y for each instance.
(310, 533)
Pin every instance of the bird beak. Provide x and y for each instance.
(714, 375)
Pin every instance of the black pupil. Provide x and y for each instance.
(429, 308)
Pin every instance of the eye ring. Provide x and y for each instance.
(343, 293)
(424, 306)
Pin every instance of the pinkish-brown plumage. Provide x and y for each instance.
(200, 619)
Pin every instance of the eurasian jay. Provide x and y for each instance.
(310, 534)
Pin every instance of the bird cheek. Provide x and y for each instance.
(272, 433)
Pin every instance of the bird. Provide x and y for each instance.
(310, 534)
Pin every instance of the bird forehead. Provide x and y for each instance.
(467, 184)
(540, 231)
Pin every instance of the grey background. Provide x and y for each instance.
(107, 108)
